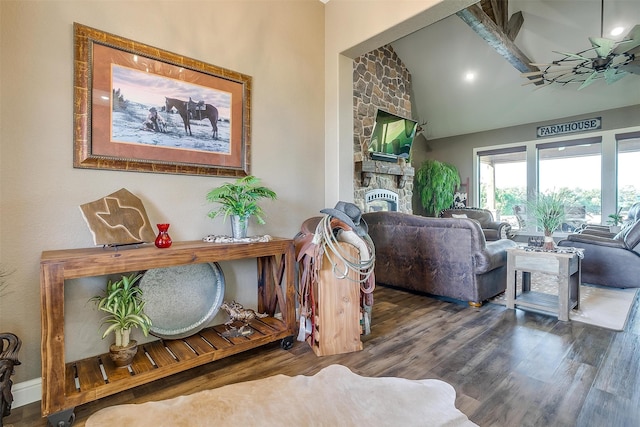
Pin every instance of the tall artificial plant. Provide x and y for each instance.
(548, 211)
(437, 183)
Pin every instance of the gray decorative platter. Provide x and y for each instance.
(182, 300)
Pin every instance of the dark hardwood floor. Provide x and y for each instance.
(509, 368)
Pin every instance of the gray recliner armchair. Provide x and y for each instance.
(493, 230)
(603, 231)
(609, 261)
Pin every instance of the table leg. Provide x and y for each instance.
(511, 282)
(579, 279)
(526, 281)
(563, 296)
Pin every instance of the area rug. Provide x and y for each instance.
(602, 306)
(335, 396)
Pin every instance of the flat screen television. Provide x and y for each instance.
(392, 137)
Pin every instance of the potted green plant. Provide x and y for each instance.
(615, 221)
(123, 303)
(549, 214)
(437, 183)
(240, 201)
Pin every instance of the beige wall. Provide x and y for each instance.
(278, 43)
(281, 44)
(301, 125)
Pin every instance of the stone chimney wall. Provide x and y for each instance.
(380, 81)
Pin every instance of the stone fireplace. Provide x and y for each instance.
(380, 200)
(380, 80)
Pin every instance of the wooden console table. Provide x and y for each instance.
(564, 265)
(66, 385)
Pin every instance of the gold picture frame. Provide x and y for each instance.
(140, 108)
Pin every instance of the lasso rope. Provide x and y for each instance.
(363, 265)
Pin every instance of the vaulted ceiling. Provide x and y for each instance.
(498, 44)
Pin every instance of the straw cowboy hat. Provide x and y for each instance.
(351, 215)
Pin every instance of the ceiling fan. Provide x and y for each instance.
(612, 61)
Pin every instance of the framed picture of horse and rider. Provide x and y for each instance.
(139, 108)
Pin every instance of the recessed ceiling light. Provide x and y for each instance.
(470, 76)
(617, 31)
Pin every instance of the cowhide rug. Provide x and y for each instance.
(335, 396)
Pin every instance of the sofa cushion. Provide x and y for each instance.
(458, 215)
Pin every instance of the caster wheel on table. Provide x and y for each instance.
(287, 343)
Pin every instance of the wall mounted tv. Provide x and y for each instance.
(392, 137)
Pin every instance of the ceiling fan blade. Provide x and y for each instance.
(631, 41)
(632, 67)
(566, 69)
(592, 78)
(612, 75)
(532, 81)
(532, 73)
(602, 46)
(572, 55)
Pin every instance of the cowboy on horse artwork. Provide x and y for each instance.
(191, 110)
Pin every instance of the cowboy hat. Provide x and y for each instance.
(351, 215)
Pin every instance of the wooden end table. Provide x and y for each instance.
(564, 264)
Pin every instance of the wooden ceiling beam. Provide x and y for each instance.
(484, 26)
(514, 25)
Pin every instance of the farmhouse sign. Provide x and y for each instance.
(571, 127)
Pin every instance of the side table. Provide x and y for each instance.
(564, 264)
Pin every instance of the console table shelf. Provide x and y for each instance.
(66, 385)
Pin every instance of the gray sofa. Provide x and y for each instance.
(493, 230)
(444, 257)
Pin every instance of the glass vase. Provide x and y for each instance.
(163, 240)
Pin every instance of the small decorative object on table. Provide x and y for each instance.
(118, 219)
(163, 240)
(240, 201)
(212, 238)
(536, 241)
(238, 313)
(122, 302)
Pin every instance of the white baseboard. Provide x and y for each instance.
(26, 392)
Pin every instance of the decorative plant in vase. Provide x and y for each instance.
(549, 214)
(240, 201)
(125, 310)
(437, 183)
(615, 221)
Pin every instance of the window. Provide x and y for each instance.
(574, 166)
(628, 151)
(503, 183)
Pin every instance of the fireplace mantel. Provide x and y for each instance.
(368, 168)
